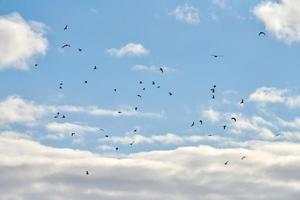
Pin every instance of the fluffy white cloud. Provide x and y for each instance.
(20, 41)
(281, 18)
(33, 171)
(130, 49)
(186, 13)
(268, 95)
(152, 68)
(211, 115)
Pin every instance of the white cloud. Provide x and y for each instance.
(211, 115)
(20, 41)
(281, 18)
(130, 49)
(33, 171)
(268, 95)
(220, 3)
(186, 13)
(152, 68)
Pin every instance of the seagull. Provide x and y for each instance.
(144, 88)
(201, 122)
(224, 127)
(87, 172)
(161, 69)
(242, 101)
(63, 117)
(261, 33)
(139, 95)
(216, 56)
(66, 27)
(226, 163)
(233, 118)
(66, 45)
(193, 124)
(244, 157)
(72, 134)
(170, 93)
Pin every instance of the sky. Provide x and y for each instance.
(161, 145)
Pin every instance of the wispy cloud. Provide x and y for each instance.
(211, 115)
(186, 13)
(153, 68)
(130, 49)
(21, 41)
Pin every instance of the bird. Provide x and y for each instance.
(244, 157)
(212, 90)
(115, 89)
(193, 124)
(135, 130)
(261, 33)
(158, 86)
(242, 101)
(233, 118)
(66, 27)
(60, 83)
(139, 95)
(131, 143)
(119, 112)
(216, 56)
(79, 49)
(144, 88)
(55, 116)
(141, 82)
(72, 134)
(87, 172)
(60, 87)
(136, 108)
(161, 69)
(170, 93)
(95, 67)
(117, 148)
(66, 45)
(213, 97)
(224, 127)
(106, 136)
(214, 86)
(35, 64)
(153, 82)
(85, 81)
(63, 117)
(201, 122)
(210, 135)
(226, 163)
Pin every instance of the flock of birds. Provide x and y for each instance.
(162, 70)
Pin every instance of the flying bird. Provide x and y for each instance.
(85, 81)
(244, 157)
(158, 86)
(226, 163)
(136, 108)
(212, 90)
(224, 127)
(117, 148)
(95, 67)
(170, 93)
(106, 136)
(63, 117)
(201, 122)
(119, 112)
(131, 143)
(66, 45)
(87, 172)
(193, 124)
(213, 97)
(233, 118)
(135, 130)
(79, 49)
(161, 69)
(144, 88)
(242, 101)
(153, 83)
(35, 64)
(216, 56)
(66, 27)
(210, 135)
(72, 134)
(141, 82)
(115, 89)
(139, 95)
(261, 33)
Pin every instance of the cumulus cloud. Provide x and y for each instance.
(130, 49)
(153, 68)
(34, 171)
(281, 18)
(21, 41)
(186, 13)
(211, 115)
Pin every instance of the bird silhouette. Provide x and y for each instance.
(119, 112)
(226, 163)
(161, 69)
(131, 143)
(117, 148)
(244, 157)
(66, 45)
(87, 172)
(141, 82)
(95, 67)
(72, 134)
(233, 118)
(66, 27)
(214, 86)
(170, 93)
(216, 56)
(242, 101)
(224, 127)
(201, 122)
(193, 124)
(79, 49)
(144, 89)
(60, 87)
(136, 108)
(63, 117)
(261, 33)
(140, 96)
(213, 97)
(210, 135)
(158, 86)
(115, 89)
(135, 130)
(85, 82)
(153, 83)
(212, 90)
(35, 64)
(106, 136)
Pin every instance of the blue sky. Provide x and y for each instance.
(249, 62)
(129, 41)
